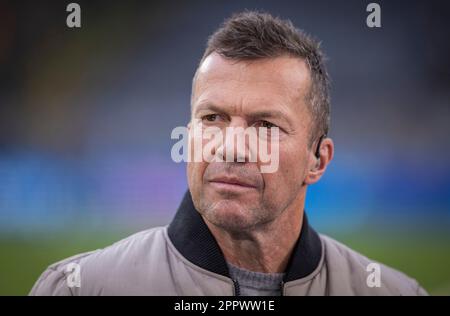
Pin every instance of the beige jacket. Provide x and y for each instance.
(184, 259)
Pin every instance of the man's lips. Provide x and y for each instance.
(231, 182)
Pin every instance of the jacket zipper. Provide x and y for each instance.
(282, 288)
(237, 289)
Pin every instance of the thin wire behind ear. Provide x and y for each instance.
(317, 154)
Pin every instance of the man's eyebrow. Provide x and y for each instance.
(256, 115)
(209, 106)
(268, 114)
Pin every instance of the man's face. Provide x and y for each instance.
(267, 92)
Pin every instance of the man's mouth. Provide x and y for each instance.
(231, 183)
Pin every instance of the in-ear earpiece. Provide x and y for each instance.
(317, 154)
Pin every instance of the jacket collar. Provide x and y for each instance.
(192, 238)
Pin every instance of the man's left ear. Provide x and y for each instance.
(318, 165)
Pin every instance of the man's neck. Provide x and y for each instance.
(266, 249)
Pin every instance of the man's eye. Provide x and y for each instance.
(210, 117)
(267, 124)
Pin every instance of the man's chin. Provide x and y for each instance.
(230, 215)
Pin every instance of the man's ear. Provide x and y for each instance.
(319, 165)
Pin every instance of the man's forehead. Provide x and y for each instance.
(283, 78)
(282, 69)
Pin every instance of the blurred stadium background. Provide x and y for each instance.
(86, 116)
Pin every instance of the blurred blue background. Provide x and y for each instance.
(86, 116)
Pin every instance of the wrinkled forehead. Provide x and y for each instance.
(281, 79)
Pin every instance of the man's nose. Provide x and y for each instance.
(235, 145)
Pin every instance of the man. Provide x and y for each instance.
(240, 231)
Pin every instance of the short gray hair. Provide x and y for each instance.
(254, 35)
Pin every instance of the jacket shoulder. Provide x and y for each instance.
(82, 271)
(351, 273)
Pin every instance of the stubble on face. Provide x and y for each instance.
(236, 86)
